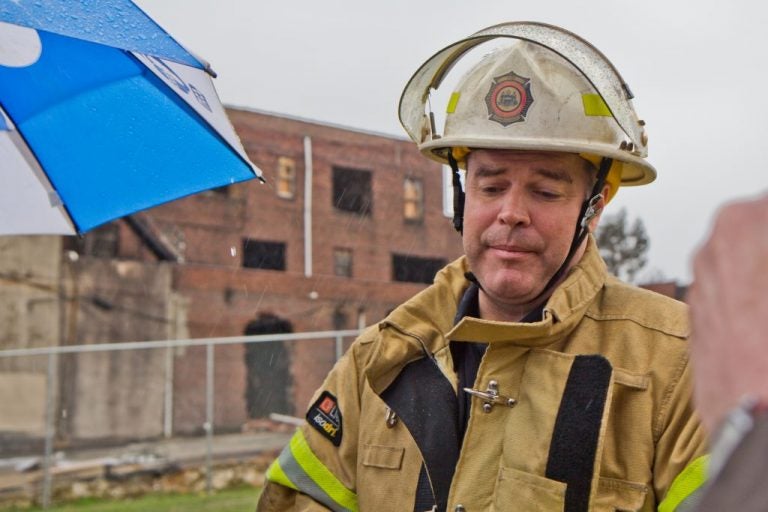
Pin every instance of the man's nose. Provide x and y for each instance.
(513, 209)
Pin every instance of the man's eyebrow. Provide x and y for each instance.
(546, 172)
(486, 172)
(555, 174)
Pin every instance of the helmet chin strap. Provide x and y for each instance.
(458, 194)
(588, 212)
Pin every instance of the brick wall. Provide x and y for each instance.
(224, 296)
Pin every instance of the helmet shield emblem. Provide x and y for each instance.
(509, 98)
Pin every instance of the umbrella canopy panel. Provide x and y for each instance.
(116, 23)
(110, 134)
(28, 204)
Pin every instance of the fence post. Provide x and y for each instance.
(339, 347)
(209, 418)
(168, 394)
(49, 430)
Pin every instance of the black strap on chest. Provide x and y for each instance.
(573, 449)
(424, 401)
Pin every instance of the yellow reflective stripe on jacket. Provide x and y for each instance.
(685, 484)
(298, 468)
(276, 474)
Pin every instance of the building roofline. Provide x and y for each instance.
(318, 122)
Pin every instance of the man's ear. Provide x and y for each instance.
(600, 205)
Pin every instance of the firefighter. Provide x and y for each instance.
(525, 378)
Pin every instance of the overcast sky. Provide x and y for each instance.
(697, 69)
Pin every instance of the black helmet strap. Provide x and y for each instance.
(588, 211)
(458, 194)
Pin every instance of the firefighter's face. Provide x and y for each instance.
(519, 221)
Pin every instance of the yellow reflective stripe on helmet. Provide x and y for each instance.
(452, 102)
(595, 106)
(299, 468)
(685, 484)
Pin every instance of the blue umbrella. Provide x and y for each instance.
(102, 114)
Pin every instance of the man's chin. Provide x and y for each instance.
(510, 294)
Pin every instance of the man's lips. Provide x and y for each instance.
(510, 248)
(510, 252)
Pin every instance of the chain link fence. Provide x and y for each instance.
(68, 408)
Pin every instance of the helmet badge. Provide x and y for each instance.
(509, 98)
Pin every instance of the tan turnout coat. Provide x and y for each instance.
(647, 436)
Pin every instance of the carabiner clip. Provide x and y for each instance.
(591, 211)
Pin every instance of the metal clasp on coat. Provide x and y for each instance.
(391, 418)
(491, 396)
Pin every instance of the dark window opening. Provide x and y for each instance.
(263, 255)
(340, 319)
(269, 382)
(413, 269)
(352, 191)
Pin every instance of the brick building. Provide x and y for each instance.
(348, 225)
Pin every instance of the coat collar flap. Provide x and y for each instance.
(417, 327)
(423, 324)
(562, 313)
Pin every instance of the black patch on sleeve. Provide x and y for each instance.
(325, 417)
(577, 429)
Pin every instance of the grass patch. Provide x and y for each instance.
(241, 499)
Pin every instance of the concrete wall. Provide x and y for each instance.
(116, 394)
(29, 294)
(29, 317)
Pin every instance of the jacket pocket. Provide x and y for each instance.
(383, 457)
(619, 496)
(518, 490)
(387, 477)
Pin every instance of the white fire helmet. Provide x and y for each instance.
(549, 90)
